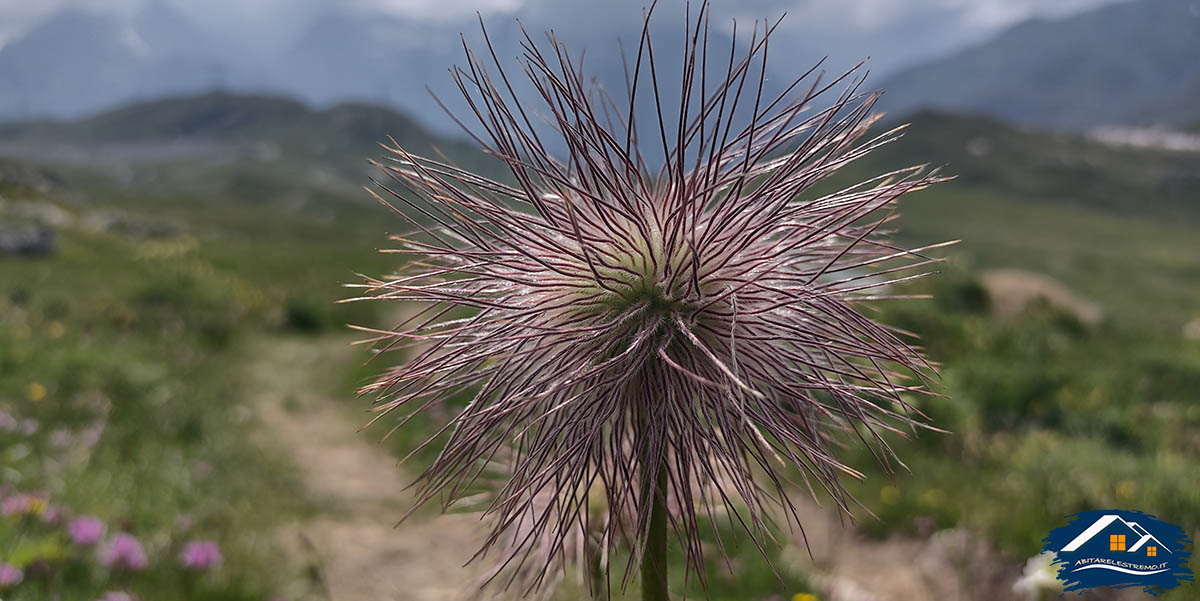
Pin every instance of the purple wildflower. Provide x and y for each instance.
(124, 552)
(10, 575)
(29, 427)
(14, 504)
(117, 596)
(52, 514)
(21, 503)
(680, 332)
(90, 436)
(8, 423)
(86, 530)
(200, 555)
(60, 438)
(184, 522)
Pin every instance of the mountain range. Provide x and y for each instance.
(278, 132)
(230, 128)
(1133, 63)
(1126, 63)
(79, 62)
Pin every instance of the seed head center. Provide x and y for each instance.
(656, 301)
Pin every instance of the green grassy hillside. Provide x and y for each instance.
(1116, 224)
(1062, 403)
(1036, 167)
(228, 127)
(124, 362)
(166, 271)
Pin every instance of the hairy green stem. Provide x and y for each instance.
(596, 571)
(654, 557)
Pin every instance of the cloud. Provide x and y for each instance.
(17, 16)
(442, 10)
(897, 33)
(894, 33)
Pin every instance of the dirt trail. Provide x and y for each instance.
(951, 565)
(351, 548)
(948, 565)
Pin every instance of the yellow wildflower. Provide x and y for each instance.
(35, 391)
(1126, 489)
(933, 497)
(36, 505)
(890, 495)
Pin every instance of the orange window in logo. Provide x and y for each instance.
(1116, 542)
(1151, 551)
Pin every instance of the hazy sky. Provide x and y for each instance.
(892, 32)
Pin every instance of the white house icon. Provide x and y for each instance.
(1104, 522)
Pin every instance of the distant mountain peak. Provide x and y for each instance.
(1132, 63)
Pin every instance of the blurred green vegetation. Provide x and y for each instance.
(1051, 411)
(122, 361)
(137, 328)
(1048, 417)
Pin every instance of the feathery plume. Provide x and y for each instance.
(680, 336)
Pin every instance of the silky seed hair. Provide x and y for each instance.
(674, 289)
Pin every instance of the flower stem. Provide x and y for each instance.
(596, 572)
(654, 557)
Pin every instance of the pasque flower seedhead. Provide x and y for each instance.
(597, 320)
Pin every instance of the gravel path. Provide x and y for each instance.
(353, 549)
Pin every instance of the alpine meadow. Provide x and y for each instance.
(673, 301)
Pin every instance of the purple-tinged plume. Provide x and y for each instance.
(615, 322)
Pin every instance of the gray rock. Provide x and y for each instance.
(29, 240)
